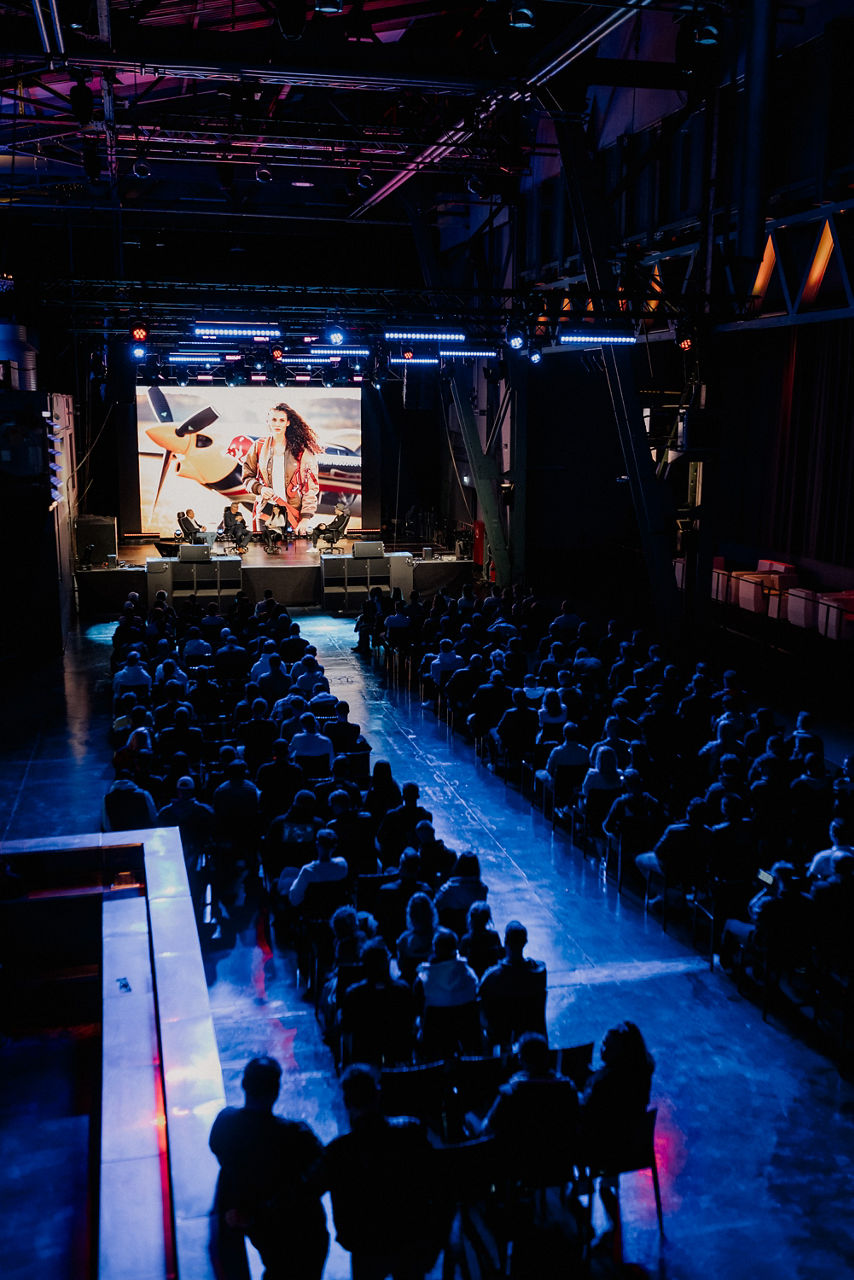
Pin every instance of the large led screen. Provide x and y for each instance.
(193, 441)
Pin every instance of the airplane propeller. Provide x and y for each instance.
(197, 422)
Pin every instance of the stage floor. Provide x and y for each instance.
(293, 574)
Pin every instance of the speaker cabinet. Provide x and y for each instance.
(98, 532)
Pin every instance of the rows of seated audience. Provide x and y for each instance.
(225, 725)
(674, 776)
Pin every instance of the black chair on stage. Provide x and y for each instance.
(332, 532)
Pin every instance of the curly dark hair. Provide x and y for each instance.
(299, 435)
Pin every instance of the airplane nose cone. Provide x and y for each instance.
(166, 438)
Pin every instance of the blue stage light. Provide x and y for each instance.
(592, 339)
(335, 335)
(425, 335)
(138, 352)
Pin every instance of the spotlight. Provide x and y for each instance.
(475, 186)
(82, 101)
(364, 178)
(182, 375)
(335, 335)
(535, 355)
(138, 352)
(515, 337)
(522, 16)
(141, 168)
(328, 6)
(684, 335)
(277, 352)
(139, 331)
(263, 174)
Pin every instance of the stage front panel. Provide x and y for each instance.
(193, 440)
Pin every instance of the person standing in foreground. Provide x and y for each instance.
(269, 1186)
(380, 1176)
(282, 469)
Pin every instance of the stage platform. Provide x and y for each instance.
(293, 574)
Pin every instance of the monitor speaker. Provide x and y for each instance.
(98, 532)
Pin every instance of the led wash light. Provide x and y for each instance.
(408, 360)
(338, 351)
(197, 357)
(236, 331)
(408, 335)
(596, 339)
(471, 353)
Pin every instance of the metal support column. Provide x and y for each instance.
(591, 221)
(484, 472)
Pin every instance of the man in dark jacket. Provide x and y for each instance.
(380, 1175)
(269, 1185)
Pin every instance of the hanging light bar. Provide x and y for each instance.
(236, 331)
(592, 339)
(413, 360)
(428, 335)
(470, 352)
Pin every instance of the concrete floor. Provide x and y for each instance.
(755, 1138)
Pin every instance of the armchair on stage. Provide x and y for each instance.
(185, 531)
(332, 532)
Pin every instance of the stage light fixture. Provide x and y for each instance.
(139, 352)
(263, 174)
(470, 353)
(515, 337)
(424, 335)
(365, 178)
(343, 350)
(410, 360)
(535, 354)
(578, 338)
(522, 16)
(141, 168)
(328, 6)
(214, 330)
(475, 186)
(182, 375)
(335, 335)
(684, 335)
(139, 331)
(277, 352)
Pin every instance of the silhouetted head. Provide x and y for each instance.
(262, 1078)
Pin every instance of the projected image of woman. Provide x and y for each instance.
(282, 469)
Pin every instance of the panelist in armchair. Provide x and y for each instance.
(234, 526)
(332, 532)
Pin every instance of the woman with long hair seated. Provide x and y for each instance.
(275, 529)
